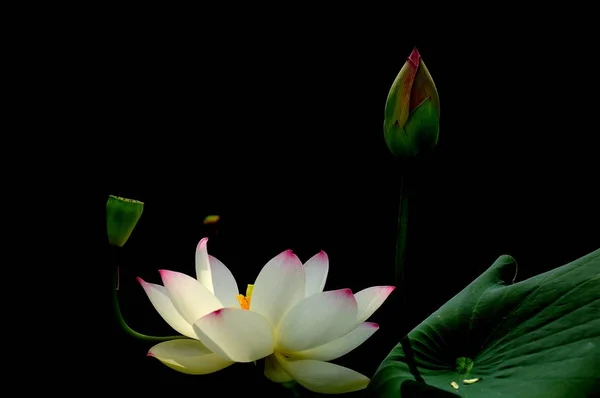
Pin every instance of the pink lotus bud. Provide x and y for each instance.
(412, 110)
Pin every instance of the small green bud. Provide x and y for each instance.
(122, 215)
(412, 110)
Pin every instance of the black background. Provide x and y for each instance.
(277, 128)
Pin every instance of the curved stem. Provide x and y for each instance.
(124, 324)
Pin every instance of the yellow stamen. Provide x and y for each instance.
(245, 300)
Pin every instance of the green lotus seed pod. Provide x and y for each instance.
(122, 215)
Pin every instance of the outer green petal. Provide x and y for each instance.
(420, 132)
(423, 126)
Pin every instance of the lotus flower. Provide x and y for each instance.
(285, 318)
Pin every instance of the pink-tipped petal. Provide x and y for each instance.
(279, 285)
(275, 372)
(203, 270)
(317, 320)
(189, 297)
(215, 276)
(202, 244)
(159, 297)
(324, 377)
(340, 346)
(188, 356)
(224, 284)
(370, 299)
(316, 269)
(240, 335)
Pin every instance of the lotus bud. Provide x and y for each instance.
(412, 110)
(122, 215)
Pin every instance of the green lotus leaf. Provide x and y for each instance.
(539, 338)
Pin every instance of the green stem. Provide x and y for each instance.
(401, 240)
(122, 322)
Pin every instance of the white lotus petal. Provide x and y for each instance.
(279, 285)
(191, 299)
(203, 271)
(274, 371)
(317, 320)
(188, 356)
(323, 377)
(224, 284)
(341, 346)
(370, 299)
(241, 335)
(215, 276)
(159, 297)
(316, 269)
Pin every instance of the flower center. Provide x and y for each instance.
(245, 300)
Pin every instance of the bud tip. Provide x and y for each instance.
(414, 57)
